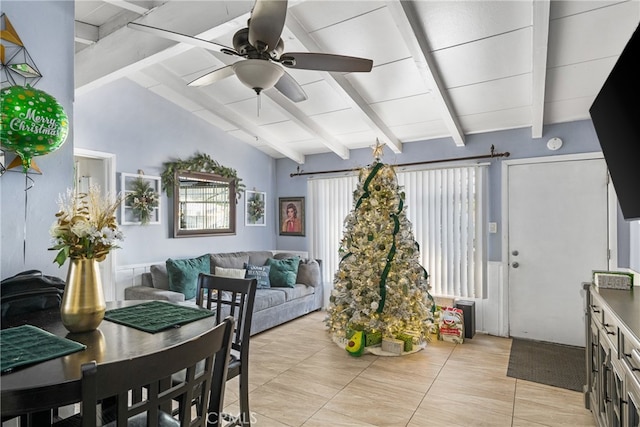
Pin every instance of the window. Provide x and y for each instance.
(446, 209)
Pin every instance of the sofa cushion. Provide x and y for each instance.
(237, 273)
(297, 291)
(283, 272)
(309, 272)
(259, 257)
(159, 276)
(260, 273)
(183, 274)
(267, 298)
(229, 260)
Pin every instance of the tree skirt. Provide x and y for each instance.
(377, 349)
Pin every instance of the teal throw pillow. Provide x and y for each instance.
(283, 272)
(183, 274)
(260, 273)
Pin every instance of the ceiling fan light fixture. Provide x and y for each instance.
(258, 74)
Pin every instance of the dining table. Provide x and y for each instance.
(35, 390)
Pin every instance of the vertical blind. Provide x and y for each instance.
(446, 209)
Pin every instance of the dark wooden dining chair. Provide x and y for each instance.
(232, 297)
(204, 360)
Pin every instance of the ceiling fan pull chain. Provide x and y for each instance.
(259, 102)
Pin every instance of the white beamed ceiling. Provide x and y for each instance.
(442, 69)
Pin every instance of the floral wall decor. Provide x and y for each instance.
(142, 199)
(255, 208)
(200, 162)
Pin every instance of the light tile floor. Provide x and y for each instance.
(299, 377)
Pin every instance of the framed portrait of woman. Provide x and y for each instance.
(291, 216)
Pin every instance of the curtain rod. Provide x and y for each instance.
(492, 155)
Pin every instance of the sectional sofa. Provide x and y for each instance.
(276, 302)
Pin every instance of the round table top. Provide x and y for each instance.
(56, 382)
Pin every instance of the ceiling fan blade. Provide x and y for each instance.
(213, 76)
(266, 24)
(325, 62)
(290, 88)
(183, 38)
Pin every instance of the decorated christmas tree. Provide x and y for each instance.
(380, 289)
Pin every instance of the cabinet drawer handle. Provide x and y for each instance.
(594, 308)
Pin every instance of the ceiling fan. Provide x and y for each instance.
(262, 49)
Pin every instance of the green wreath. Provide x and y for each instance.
(142, 200)
(255, 208)
(200, 162)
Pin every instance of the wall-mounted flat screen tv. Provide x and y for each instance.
(616, 118)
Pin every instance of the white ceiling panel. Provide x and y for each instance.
(494, 95)
(568, 110)
(383, 84)
(512, 118)
(341, 122)
(356, 38)
(317, 15)
(322, 99)
(287, 132)
(403, 111)
(416, 131)
(589, 36)
(454, 23)
(487, 59)
(575, 81)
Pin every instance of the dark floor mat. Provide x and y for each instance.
(547, 363)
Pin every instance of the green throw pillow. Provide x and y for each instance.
(183, 274)
(283, 272)
(260, 273)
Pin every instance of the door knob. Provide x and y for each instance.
(515, 253)
(515, 265)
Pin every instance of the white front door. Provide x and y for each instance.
(557, 234)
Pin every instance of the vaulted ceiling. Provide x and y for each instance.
(442, 70)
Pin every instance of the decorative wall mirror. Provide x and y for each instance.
(204, 204)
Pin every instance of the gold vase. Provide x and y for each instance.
(83, 303)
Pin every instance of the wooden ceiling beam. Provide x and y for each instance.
(411, 28)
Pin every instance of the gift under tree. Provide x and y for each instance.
(380, 289)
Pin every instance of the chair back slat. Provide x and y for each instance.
(229, 297)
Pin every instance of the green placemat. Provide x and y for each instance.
(26, 344)
(155, 316)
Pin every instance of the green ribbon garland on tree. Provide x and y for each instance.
(365, 187)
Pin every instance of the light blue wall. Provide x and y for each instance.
(144, 130)
(47, 31)
(578, 137)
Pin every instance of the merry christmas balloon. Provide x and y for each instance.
(32, 123)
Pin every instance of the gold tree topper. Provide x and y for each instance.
(377, 150)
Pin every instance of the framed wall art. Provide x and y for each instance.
(255, 208)
(291, 217)
(141, 204)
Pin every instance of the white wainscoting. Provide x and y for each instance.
(130, 275)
